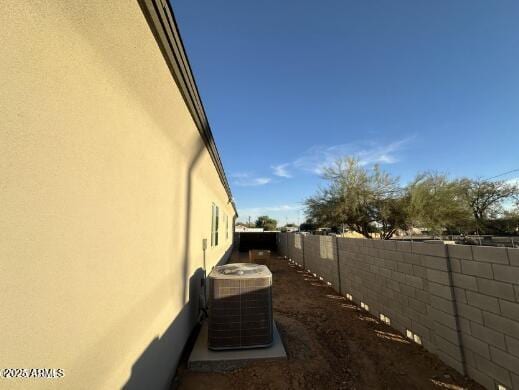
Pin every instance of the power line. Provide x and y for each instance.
(502, 174)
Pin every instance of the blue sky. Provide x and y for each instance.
(288, 86)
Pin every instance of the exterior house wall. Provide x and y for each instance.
(106, 195)
(461, 301)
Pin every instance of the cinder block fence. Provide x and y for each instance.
(460, 302)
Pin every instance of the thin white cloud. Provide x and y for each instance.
(257, 211)
(240, 175)
(245, 179)
(281, 170)
(318, 157)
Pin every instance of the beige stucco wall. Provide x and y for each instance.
(105, 196)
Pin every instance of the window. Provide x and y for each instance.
(214, 226)
(226, 227)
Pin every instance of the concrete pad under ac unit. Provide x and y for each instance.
(204, 359)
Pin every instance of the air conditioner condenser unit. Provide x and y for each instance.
(240, 307)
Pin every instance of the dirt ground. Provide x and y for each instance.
(331, 344)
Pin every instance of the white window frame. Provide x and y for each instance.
(226, 227)
(215, 221)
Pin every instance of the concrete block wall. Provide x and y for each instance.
(321, 258)
(282, 244)
(462, 301)
(295, 248)
(486, 284)
(409, 283)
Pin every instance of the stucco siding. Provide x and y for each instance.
(106, 192)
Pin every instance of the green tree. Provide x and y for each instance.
(266, 223)
(510, 220)
(485, 199)
(365, 200)
(308, 226)
(436, 203)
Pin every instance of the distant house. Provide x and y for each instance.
(323, 231)
(291, 229)
(239, 228)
